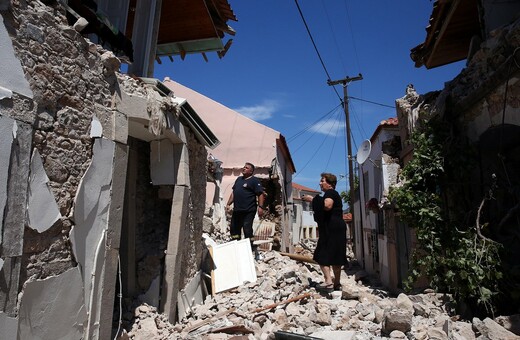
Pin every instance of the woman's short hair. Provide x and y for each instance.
(330, 178)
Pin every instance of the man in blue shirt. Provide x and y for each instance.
(247, 197)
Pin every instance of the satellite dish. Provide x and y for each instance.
(363, 151)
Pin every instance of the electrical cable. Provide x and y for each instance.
(361, 130)
(334, 36)
(314, 154)
(315, 47)
(351, 34)
(317, 128)
(120, 296)
(333, 145)
(371, 102)
(308, 127)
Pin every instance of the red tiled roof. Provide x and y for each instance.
(301, 187)
(388, 123)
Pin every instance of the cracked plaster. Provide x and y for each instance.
(42, 208)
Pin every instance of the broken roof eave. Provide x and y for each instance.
(452, 24)
(193, 46)
(282, 144)
(189, 117)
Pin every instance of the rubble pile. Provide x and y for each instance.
(283, 302)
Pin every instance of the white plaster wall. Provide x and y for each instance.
(53, 308)
(91, 212)
(162, 163)
(309, 223)
(13, 78)
(384, 272)
(377, 174)
(8, 325)
(42, 209)
(358, 233)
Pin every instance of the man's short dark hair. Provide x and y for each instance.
(251, 165)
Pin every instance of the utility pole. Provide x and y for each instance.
(345, 82)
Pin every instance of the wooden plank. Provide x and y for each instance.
(298, 257)
(296, 298)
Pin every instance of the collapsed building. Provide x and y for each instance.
(479, 112)
(268, 151)
(100, 170)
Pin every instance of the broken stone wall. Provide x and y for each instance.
(63, 182)
(192, 255)
(67, 80)
(68, 85)
(481, 109)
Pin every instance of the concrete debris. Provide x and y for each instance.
(282, 304)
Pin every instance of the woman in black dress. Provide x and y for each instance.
(331, 250)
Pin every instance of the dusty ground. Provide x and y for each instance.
(283, 304)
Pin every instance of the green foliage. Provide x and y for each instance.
(450, 254)
(345, 195)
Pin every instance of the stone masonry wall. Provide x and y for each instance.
(72, 82)
(69, 83)
(192, 256)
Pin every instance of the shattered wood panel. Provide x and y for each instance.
(264, 231)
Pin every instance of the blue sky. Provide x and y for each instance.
(272, 72)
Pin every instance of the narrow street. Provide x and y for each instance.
(282, 304)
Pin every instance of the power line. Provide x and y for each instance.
(315, 47)
(352, 34)
(334, 36)
(315, 132)
(333, 144)
(315, 152)
(371, 102)
(307, 128)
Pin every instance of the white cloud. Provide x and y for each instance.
(259, 112)
(329, 127)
